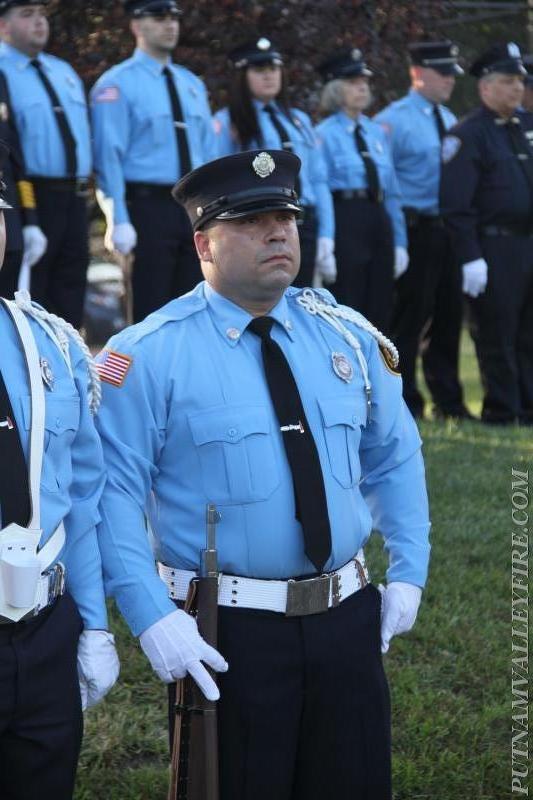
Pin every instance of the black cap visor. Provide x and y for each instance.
(242, 204)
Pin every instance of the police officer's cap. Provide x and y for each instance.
(4, 155)
(505, 58)
(440, 56)
(5, 5)
(345, 64)
(235, 186)
(252, 54)
(151, 8)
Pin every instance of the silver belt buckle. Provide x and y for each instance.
(309, 596)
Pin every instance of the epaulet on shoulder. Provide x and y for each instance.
(179, 309)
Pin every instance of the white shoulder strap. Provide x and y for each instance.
(37, 410)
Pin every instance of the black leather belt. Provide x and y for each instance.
(135, 189)
(506, 230)
(414, 218)
(80, 186)
(351, 194)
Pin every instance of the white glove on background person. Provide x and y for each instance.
(174, 647)
(325, 262)
(122, 237)
(399, 607)
(401, 260)
(475, 277)
(98, 666)
(35, 244)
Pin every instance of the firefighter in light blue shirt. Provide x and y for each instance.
(50, 112)
(152, 124)
(370, 229)
(205, 425)
(428, 300)
(259, 116)
(56, 653)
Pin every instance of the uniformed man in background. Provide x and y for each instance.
(56, 655)
(285, 410)
(487, 203)
(25, 239)
(51, 116)
(152, 124)
(428, 304)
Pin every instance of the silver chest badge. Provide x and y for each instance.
(342, 367)
(47, 374)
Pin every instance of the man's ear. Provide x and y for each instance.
(203, 245)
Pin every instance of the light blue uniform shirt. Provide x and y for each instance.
(73, 472)
(193, 423)
(313, 176)
(346, 169)
(42, 145)
(416, 149)
(134, 135)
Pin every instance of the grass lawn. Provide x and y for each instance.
(450, 678)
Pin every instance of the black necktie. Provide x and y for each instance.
(372, 177)
(522, 148)
(14, 486)
(302, 454)
(284, 137)
(179, 124)
(441, 127)
(67, 137)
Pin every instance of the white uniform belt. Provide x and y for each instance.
(291, 597)
(51, 586)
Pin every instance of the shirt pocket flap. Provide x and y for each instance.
(62, 414)
(228, 425)
(349, 411)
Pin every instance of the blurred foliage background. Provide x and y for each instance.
(95, 35)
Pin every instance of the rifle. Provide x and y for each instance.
(194, 762)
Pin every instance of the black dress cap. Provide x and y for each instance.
(5, 5)
(440, 56)
(505, 58)
(345, 64)
(235, 186)
(151, 8)
(260, 51)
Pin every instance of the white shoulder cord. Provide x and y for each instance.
(333, 314)
(61, 331)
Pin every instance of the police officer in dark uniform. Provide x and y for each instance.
(487, 203)
(428, 306)
(22, 228)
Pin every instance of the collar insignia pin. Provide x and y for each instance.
(47, 374)
(342, 367)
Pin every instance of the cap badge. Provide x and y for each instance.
(356, 55)
(342, 367)
(513, 50)
(263, 165)
(454, 51)
(263, 44)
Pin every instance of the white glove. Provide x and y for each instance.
(475, 277)
(174, 647)
(122, 237)
(399, 607)
(401, 261)
(98, 665)
(325, 259)
(35, 244)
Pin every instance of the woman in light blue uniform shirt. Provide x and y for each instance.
(258, 115)
(371, 239)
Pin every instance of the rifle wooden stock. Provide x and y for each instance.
(194, 763)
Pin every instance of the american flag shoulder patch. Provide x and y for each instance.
(113, 367)
(107, 94)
